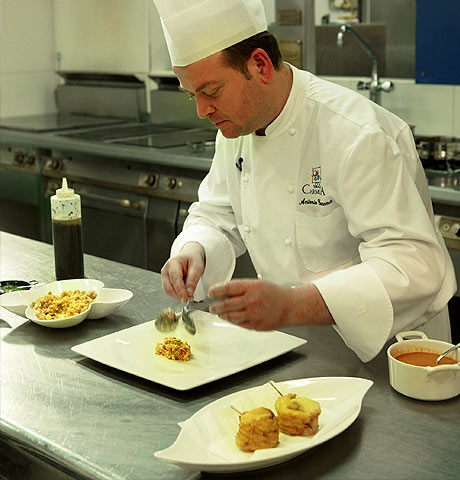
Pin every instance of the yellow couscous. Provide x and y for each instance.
(67, 304)
(174, 349)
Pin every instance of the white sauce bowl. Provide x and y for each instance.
(423, 383)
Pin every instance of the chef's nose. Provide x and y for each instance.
(204, 107)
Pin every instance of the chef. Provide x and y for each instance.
(322, 187)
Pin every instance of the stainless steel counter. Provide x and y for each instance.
(178, 157)
(64, 416)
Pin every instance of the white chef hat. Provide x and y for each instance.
(195, 29)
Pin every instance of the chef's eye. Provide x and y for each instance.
(189, 94)
(213, 93)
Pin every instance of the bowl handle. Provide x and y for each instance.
(441, 368)
(410, 333)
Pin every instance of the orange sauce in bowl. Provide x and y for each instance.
(424, 359)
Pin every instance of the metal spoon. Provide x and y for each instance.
(189, 324)
(451, 349)
(167, 320)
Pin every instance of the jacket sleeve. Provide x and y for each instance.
(212, 223)
(406, 274)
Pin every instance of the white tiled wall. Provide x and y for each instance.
(27, 78)
(433, 109)
(456, 103)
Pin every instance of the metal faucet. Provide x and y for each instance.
(375, 86)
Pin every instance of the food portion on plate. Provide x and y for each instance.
(258, 429)
(63, 304)
(8, 286)
(67, 304)
(215, 449)
(221, 349)
(174, 349)
(297, 415)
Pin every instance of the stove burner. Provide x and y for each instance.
(174, 139)
(118, 133)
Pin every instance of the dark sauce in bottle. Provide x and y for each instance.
(68, 249)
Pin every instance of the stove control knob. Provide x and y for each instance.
(19, 158)
(151, 180)
(455, 229)
(29, 160)
(170, 182)
(52, 164)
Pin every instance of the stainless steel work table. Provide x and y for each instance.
(64, 416)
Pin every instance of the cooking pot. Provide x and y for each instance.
(423, 383)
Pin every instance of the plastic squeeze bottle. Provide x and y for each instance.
(67, 233)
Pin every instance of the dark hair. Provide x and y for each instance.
(238, 55)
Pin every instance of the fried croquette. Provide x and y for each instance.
(297, 415)
(258, 429)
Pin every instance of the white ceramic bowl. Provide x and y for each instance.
(107, 301)
(423, 383)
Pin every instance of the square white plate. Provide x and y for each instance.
(218, 349)
(206, 441)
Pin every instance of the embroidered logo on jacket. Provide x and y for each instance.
(314, 188)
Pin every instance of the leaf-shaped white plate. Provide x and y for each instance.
(206, 441)
(107, 301)
(219, 349)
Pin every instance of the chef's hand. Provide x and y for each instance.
(181, 273)
(262, 305)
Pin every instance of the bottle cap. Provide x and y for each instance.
(65, 205)
(64, 191)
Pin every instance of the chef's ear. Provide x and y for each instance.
(259, 64)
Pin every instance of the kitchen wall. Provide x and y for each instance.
(433, 109)
(27, 78)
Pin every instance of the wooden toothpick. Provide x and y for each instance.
(236, 410)
(274, 386)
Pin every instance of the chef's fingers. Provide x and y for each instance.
(172, 278)
(230, 289)
(193, 257)
(193, 275)
(227, 305)
(245, 319)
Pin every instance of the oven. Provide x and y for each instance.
(447, 216)
(21, 209)
(440, 157)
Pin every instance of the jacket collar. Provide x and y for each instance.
(287, 116)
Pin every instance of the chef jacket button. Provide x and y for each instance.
(245, 179)
(292, 131)
(288, 241)
(247, 229)
(291, 189)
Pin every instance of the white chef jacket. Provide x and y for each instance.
(333, 194)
